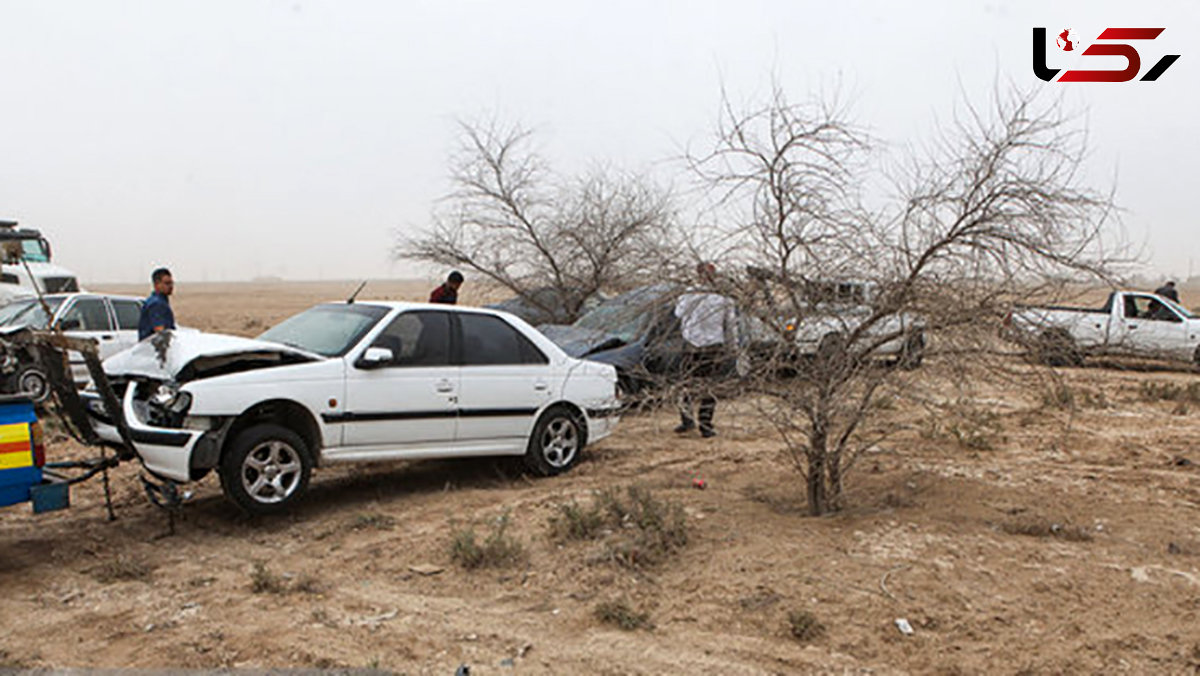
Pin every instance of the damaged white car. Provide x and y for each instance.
(353, 382)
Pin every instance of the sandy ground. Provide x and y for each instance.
(928, 536)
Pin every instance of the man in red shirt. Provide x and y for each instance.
(448, 293)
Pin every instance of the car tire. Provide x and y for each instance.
(266, 469)
(557, 441)
(32, 381)
(1196, 357)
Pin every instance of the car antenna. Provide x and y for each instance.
(350, 300)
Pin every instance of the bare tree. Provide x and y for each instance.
(849, 299)
(512, 220)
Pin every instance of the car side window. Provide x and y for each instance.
(417, 339)
(490, 341)
(1146, 307)
(128, 312)
(90, 314)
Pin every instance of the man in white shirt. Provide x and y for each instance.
(709, 324)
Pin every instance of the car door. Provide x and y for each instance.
(88, 317)
(1150, 328)
(505, 380)
(126, 313)
(411, 401)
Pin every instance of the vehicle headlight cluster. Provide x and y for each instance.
(169, 397)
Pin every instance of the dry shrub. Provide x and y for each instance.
(263, 581)
(499, 549)
(639, 528)
(1067, 398)
(374, 521)
(621, 615)
(805, 626)
(574, 522)
(1152, 391)
(121, 569)
(1044, 528)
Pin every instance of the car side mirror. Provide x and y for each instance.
(70, 325)
(374, 357)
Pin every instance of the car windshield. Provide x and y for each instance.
(34, 251)
(329, 330)
(625, 315)
(29, 312)
(1180, 309)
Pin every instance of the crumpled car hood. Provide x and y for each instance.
(578, 342)
(165, 355)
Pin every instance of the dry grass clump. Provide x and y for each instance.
(121, 569)
(264, 581)
(638, 528)
(497, 551)
(622, 616)
(1067, 398)
(805, 626)
(1152, 391)
(1044, 528)
(373, 521)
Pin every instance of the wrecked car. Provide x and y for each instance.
(353, 382)
(109, 320)
(547, 305)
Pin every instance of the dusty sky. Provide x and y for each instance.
(239, 138)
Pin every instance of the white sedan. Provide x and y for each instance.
(354, 382)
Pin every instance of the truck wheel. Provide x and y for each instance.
(1057, 348)
(912, 354)
(33, 382)
(556, 442)
(265, 469)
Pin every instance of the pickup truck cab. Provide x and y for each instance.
(353, 382)
(1130, 323)
(26, 267)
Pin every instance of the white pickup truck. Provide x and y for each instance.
(1131, 323)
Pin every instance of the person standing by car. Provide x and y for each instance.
(1168, 291)
(708, 322)
(156, 311)
(448, 293)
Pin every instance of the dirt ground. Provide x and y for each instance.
(1029, 534)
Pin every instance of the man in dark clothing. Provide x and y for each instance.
(156, 311)
(448, 292)
(1168, 291)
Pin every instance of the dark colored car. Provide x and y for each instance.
(547, 305)
(636, 332)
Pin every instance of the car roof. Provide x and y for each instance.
(407, 305)
(88, 294)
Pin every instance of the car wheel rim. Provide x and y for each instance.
(271, 472)
(34, 384)
(560, 442)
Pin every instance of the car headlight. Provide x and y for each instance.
(169, 397)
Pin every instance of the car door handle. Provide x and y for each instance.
(541, 385)
(1132, 327)
(106, 337)
(445, 386)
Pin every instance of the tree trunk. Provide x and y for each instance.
(834, 489)
(817, 499)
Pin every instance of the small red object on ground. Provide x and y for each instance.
(699, 483)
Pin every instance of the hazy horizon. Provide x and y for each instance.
(231, 140)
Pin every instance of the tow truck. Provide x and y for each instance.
(25, 474)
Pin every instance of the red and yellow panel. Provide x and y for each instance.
(16, 448)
